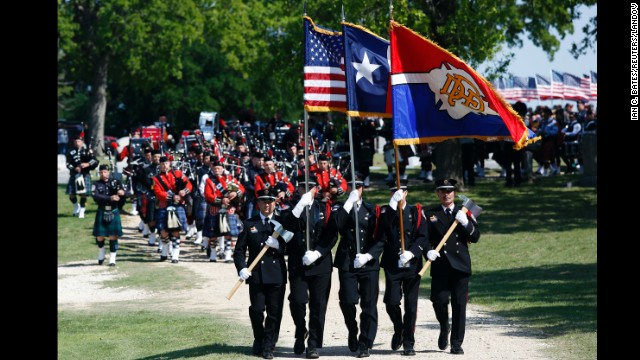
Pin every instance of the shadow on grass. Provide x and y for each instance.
(558, 299)
(217, 349)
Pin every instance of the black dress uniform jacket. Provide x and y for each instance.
(272, 268)
(346, 250)
(456, 249)
(415, 238)
(323, 236)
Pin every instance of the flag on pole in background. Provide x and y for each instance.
(524, 88)
(366, 70)
(324, 79)
(594, 86)
(572, 88)
(544, 87)
(436, 97)
(557, 84)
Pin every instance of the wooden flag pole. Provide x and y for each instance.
(401, 202)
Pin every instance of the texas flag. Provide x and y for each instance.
(437, 96)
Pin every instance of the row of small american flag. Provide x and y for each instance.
(560, 85)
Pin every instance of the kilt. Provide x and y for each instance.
(113, 228)
(71, 185)
(200, 207)
(161, 216)
(211, 228)
(147, 207)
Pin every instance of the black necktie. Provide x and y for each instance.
(266, 220)
(448, 211)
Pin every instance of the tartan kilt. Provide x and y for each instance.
(201, 211)
(161, 216)
(211, 227)
(71, 185)
(113, 228)
(147, 206)
(210, 222)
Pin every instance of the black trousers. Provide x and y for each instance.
(454, 284)
(313, 290)
(360, 286)
(397, 286)
(267, 298)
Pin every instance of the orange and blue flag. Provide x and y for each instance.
(436, 96)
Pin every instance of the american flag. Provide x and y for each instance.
(524, 88)
(594, 86)
(573, 89)
(324, 78)
(544, 87)
(557, 84)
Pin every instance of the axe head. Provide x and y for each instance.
(471, 206)
(285, 234)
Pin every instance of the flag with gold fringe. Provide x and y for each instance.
(437, 96)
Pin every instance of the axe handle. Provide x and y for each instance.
(441, 244)
(251, 266)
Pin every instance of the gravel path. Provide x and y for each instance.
(80, 286)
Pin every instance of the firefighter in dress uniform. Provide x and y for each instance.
(359, 268)
(268, 279)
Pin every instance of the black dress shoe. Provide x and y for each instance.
(267, 354)
(353, 341)
(396, 341)
(443, 339)
(112, 264)
(298, 346)
(163, 258)
(363, 350)
(457, 350)
(408, 352)
(312, 353)
(100, 262)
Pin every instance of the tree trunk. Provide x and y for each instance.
(448, 161)
(99, 105)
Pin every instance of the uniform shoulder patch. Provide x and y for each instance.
(433, 218)
(335, 207)
(253, 229)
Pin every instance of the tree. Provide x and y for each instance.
(132, 42)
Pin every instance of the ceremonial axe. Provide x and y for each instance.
(277, 231)
(467, 206)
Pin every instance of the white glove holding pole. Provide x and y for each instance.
(432, 255)
(354, 196)
(244, 274)
(397, 196)
(361, 260)
(310, 256)
(462, 218)
(272, 242)
(406, 256)
(305, 200)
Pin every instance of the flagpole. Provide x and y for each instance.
(353, 165)
(395, 150)
(401, 202)
(306, 157)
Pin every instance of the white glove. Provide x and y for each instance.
(272, 242)
(310, 256)
(406, 256)
(305, 200)
(354, 196)
(244, 274)
(462, 218)
(432, 255)
(361, 259)
(395, 198)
